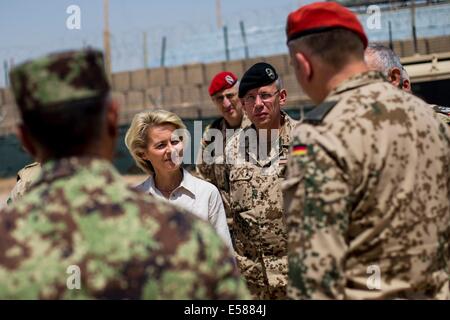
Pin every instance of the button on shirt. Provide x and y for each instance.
(197, 196)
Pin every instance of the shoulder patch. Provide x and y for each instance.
(316, 115)
(299, 150)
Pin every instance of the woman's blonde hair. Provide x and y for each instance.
(136, 138)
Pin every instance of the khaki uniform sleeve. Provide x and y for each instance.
(214, 173)
(316, 202)
(203, 171)
(25, 178)
(205, 164)
(17, 192)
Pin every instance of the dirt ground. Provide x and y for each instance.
(7, 184)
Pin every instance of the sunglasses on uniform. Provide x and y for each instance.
(265, 97)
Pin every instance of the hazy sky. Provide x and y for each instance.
(32, 28)
(27, 22)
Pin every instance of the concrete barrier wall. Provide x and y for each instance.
(184, 89)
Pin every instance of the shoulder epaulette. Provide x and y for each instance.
(316, 115)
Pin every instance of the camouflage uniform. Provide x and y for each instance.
(367, 194)
(256, 203)
(126, 244)
(81, 221)
(214, 173)
(25, 177)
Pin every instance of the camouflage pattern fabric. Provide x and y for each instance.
(256, 203)
(126, 244)
(61, 77)
(25, 177)
(367, 196)
(214, 172)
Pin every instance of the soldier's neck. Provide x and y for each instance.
(276, 125)
(348, 71)
(233, 123)
(99, 153)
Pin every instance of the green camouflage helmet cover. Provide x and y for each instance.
(58, 78)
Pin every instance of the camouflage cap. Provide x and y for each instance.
(58, 78)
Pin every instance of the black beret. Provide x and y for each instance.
(259, 75)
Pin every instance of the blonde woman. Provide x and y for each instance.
(158, 149)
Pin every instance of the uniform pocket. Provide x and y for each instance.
(241, 189)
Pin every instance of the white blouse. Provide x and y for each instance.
(197, 196)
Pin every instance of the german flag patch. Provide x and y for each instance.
(300, 150)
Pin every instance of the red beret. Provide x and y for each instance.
(221, 81)
(322, 16)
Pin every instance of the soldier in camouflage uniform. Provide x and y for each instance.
(80, 231)
(367, 187)
(25, 177)
(383, 59)
(224, 94)
(254, 180)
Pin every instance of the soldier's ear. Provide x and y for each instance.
(395, 77)
(283, 96)
(303, 66)
(26, 139)
(112, 117)
(406, 86)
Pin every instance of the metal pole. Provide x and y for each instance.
(227, 50)
(5, 66)
(244, 39)
(145, 52)
(163, 51)
(391, 45)
(106, 42)
(218, 14)
(413, 22)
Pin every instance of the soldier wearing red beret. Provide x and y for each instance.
(224, 95)
(368, 178)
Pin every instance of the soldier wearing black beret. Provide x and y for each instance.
(256, 201)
